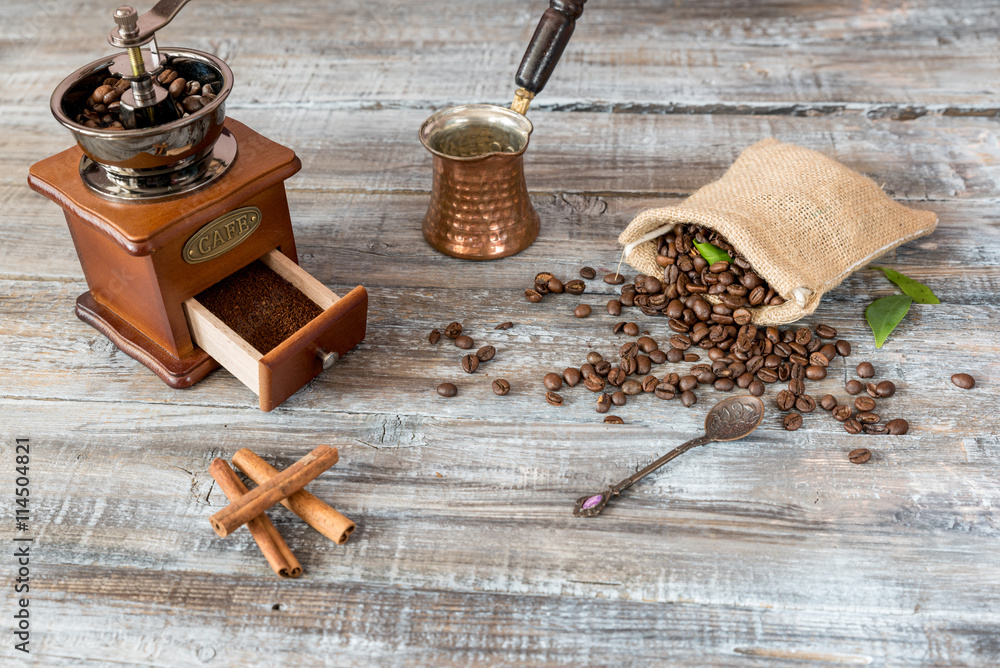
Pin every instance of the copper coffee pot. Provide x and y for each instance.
(480, 209)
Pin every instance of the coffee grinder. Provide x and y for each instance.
(166, 200)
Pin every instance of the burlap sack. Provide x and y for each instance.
(802, 220)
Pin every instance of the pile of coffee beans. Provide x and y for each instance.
(102, 108)
(546, 283)
(866, 420)
(686, 272)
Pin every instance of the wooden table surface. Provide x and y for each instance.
(771, 551)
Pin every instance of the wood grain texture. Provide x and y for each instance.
(774, 550)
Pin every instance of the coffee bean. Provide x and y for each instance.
(852, 426)
(886, 388)
(872, 390)
(602, 368)
(576, 287)
(756, 388)
(631, 329)
(829, 351)
(843, 348)
(785, 400)
(815, 372)
(629, 349)
(803, 336)
(543, 277)
(874, 429)
(603, 403)
(555, 286)
(504, 325)
(618, 327)
(724, 384)
(897, 427)
(828, 402)
(614, 307)
(825, 331)
(744, 379)
(501, 387)
(687, 383)
(665, 391)
(617, 376)
(581, 311)
(646, 344)
(632, 387)
(649, 384)
(618, 398)
(643, 365)
(593, 357)
(742, 316)
(854, 386)
(688, 399)
(177, 87)
(614, 279)
(613, 419)
(434, 337)
(865, 370)
(486, 353)
(675, 355)
(792, 421)
(453, 330)
(819, 359)
(805, 404)
(842, 412)
(542, 287)
(868, 418)
(964, 381)
(859, 456)
(464, 342)
(552, 381)
(594, 383)
(553, 398)
(691, 357)
(864, 403)
(533, 296)
(657, 356)
(470, 363)
(766, 375)
(166, 77)
(447, 390)
(587, 370)
(797, 386)
(588, 273)
(571, 376)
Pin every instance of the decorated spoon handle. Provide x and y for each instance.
(547, 44)
(591, 505)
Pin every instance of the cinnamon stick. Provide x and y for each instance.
(270, 542)
(284, 484)
(314, 512)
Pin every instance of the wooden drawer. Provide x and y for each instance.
(277, 375)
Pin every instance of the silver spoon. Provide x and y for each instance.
(729, 420)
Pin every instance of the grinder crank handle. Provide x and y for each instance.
(158, 16)
(547, 44)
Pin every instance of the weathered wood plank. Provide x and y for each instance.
(929, 158)
(893, 57)
(230, 621)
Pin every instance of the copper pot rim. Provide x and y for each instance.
(518, 122)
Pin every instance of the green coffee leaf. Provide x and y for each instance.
(920, 292)
(884, 314)
(712, 253)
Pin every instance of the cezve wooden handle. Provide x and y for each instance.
(547, 44)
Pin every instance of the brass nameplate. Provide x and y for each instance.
(222, 235)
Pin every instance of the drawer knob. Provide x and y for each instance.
(327, 358)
